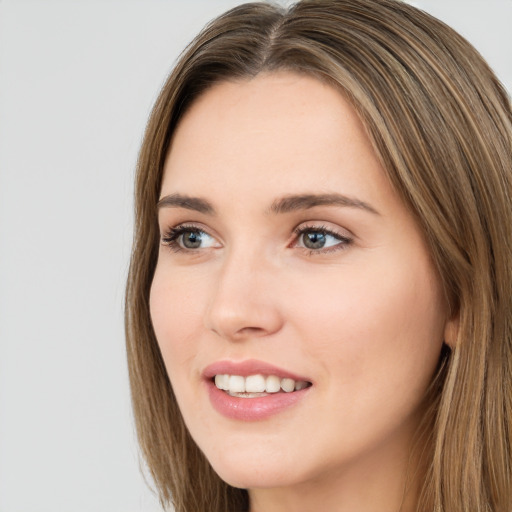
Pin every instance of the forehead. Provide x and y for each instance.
(279, 131)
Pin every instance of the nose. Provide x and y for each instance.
(244, 302)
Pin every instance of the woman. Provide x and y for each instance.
(319, 300)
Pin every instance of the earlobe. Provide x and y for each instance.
(451, 331)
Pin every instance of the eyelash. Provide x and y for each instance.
(343, 241)
(172, 235)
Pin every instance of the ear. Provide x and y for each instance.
(451, 330)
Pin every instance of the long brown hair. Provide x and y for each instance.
(441, 123)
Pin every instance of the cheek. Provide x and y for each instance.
(374, 340)
(371, 328)
(177, 315)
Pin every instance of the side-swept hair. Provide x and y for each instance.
(441, 124)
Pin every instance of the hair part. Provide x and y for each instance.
(441, 124)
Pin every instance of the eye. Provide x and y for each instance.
(188, 238)
(320, 239)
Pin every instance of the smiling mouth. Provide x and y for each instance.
(256, 386)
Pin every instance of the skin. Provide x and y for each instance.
(364, 320)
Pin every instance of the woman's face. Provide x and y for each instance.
(288, 262)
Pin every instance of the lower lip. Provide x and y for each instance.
(253, 409)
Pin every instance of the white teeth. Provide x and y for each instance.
(222, 381)
(288, 385)
(300, 384)
(273, 384)
(257, 384)
(236, 384)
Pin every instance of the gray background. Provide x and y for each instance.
(77, 80)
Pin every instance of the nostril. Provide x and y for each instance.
(250, 331)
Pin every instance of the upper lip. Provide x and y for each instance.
(249, 367)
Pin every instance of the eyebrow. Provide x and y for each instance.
(189, 203)
(286, 204)
(305, 201)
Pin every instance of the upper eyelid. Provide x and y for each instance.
(324, 226)
(197, 226)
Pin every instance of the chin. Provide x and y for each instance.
(262, 478)
(247, 470)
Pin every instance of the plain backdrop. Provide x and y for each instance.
(77, 81)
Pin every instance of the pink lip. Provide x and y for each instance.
(250, 409)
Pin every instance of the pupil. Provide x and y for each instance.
(191, 240)
(314, 240)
